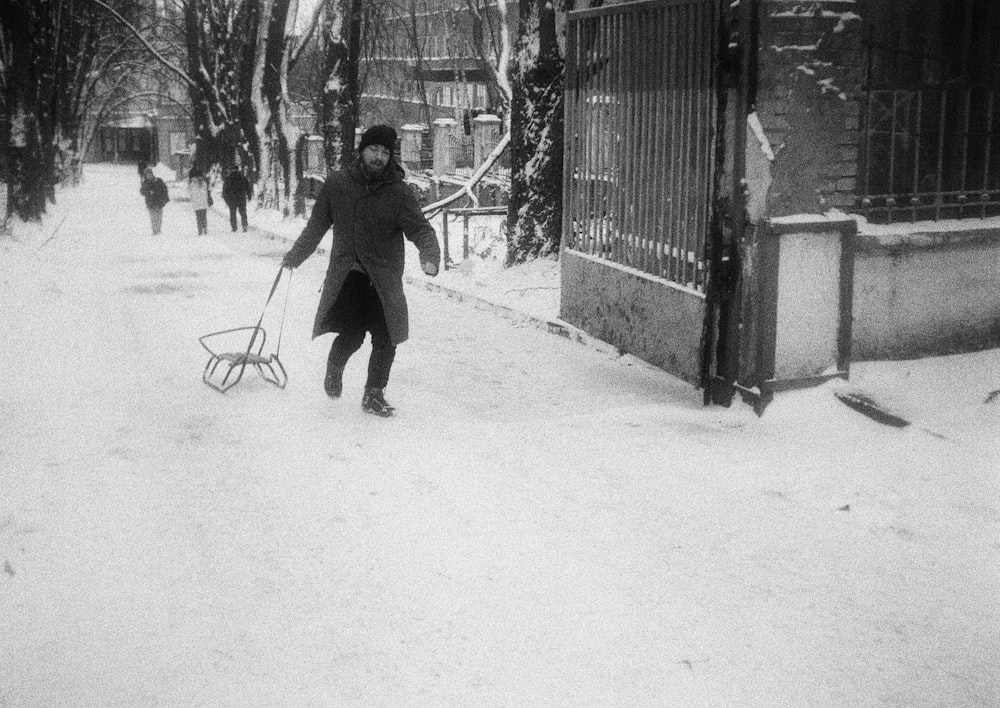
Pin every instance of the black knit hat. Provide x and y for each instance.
(379, 135)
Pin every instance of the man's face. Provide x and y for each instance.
(375, 158)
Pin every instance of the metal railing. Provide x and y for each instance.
(640, 135)
(931, 145)
(465, 213)
(501, 168)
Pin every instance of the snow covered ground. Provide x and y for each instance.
(543, 524)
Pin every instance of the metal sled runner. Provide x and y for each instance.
(225, 369)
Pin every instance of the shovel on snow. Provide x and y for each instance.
(222, 365)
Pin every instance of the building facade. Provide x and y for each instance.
(433, 61)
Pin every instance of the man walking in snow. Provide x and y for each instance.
(154, 191)
(370, 209)
(236, 191)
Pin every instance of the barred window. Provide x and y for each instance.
(931, 117)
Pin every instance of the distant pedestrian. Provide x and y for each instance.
(370, 209)
(236, 192)
(201, 200)
(154, 190)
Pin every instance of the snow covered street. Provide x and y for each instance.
(542, 524)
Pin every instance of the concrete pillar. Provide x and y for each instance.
(411, 144)
(486, 133)
(804, 295)
(445, 139)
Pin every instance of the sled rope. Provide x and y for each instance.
(284, 307)
(274, 286)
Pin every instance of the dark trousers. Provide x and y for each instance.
(156, 219)
(358, 310)
(201, 217)
(242, 209)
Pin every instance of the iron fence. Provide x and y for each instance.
(462, 151)
(640, 135)
(500, 172)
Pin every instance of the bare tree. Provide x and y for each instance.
(490, 44)
(279, 134)
(221, 37)
(417, 42)
(53, 58)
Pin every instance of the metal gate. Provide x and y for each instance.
(641, 110)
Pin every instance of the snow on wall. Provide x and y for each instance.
(753, 121)
(759, 157)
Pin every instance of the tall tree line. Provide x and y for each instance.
(59, 60)
(234, 58)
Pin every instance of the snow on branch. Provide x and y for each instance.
(477, 176)
(162, 59)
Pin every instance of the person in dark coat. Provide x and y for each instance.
(370, 209)
(236, 192)
(154, 190)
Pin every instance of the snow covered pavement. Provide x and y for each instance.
(543, 523)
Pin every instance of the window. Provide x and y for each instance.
(932, 111)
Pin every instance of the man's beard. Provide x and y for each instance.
(373, 172)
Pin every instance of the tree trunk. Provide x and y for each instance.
(534, 215)
(28, 166)
(279, 134)
(417, 45)
(340, 97)
(215, 34)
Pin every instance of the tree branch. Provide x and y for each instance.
(307, 36)
(163, 60)
(477, 176)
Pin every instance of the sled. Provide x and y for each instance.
(225, 369)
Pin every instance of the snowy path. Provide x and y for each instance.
(542, 524)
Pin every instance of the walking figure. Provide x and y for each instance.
(201, 200)
(370, 209)
(236, 192)
(154, 190)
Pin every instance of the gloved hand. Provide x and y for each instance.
(430, 269)
(285, 263)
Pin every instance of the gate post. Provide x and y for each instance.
(444, 152)
(804, 289)
(411, 144)
(485, 135)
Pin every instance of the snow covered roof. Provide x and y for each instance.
(130, 122)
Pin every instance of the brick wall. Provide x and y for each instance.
(808, 99)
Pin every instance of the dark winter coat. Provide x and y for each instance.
(369, 220)
(155, 192)
(236, 189)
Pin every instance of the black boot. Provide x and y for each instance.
(374, 403)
